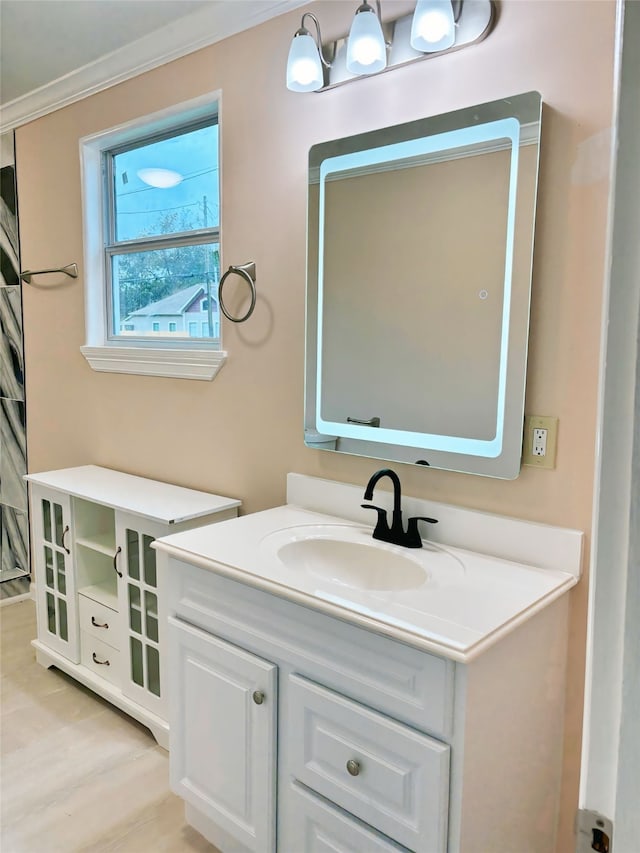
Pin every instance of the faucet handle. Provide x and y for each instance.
(381, 530)
(413, 538)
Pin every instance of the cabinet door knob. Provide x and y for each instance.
(353, 767)
(101, 662)
(258, 697)
(99, 624)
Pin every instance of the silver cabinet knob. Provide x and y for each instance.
(353, 767)
(258, 697)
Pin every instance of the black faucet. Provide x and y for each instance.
(395, 533)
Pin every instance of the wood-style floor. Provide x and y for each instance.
(75, 773)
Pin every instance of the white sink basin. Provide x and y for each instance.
(346, 555)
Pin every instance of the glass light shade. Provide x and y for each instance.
(366, 50)
(433, 26)
(304, 69)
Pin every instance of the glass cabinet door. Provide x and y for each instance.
(141, 599)
(57, 622)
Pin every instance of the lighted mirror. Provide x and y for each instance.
(420, 243)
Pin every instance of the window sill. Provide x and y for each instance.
(173, 363)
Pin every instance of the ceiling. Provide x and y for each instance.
(54, 51)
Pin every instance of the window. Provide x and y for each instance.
(162, 243)
(193, 330)
(156, 184)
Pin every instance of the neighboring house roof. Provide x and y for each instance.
(174, 304)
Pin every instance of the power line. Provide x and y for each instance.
(158, 209)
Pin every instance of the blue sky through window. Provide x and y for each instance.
(142, 210)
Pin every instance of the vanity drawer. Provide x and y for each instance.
(387, 774)
(100, 658)
(98, 621)
(316, 826)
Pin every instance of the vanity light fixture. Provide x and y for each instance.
(433, 26)
(304, 65)
(366, 48)
(373, 46)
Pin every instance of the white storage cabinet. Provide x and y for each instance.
(100, 592)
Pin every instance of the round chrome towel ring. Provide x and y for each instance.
(248, 273)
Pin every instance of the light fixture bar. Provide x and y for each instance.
(474, 20)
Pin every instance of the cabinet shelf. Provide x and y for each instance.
(104, 543)
(104, 593)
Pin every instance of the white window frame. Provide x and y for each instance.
(184, 359)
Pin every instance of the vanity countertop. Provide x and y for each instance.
(467, 602)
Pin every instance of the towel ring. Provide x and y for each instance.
(248, 273)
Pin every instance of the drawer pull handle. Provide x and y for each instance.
(258, 697)
(98, 624)
(100, 662)
(115, 562)
(353, 767)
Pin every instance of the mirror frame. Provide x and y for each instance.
(499, 457)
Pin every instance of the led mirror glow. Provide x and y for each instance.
(433, 26)
(413, 150)
(304, 69)
(366, 50)
(161, 178)
(419, 279)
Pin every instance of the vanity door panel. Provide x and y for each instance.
(387, 774)
(315, 826)
(223, 735)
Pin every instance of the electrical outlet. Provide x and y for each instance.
(540, 440)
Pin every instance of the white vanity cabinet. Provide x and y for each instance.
(426, 719)
(359, 756)
(100, 593)
(378, 745)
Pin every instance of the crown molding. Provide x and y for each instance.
(218, 21)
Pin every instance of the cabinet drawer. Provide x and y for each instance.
(387, 774)
(99, 621)
(100, 658)
(316, 826)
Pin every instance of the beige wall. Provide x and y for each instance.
(240, 434)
